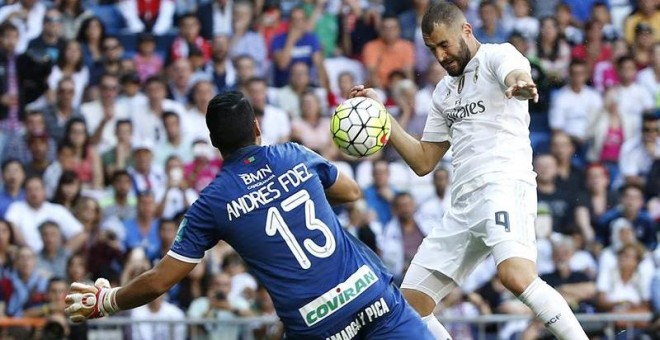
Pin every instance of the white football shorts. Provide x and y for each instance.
(495, 218)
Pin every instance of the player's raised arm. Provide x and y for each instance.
(421, 156)
(89, 302)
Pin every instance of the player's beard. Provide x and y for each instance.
(461, 60)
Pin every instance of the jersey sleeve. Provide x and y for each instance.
(505, 59)
(436, 128)
(326, 171)
(197, 233)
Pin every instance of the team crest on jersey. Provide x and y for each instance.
(461, 83)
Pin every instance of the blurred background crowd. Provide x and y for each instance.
(104, 144)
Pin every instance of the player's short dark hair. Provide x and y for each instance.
(230, 120)
(444, 13)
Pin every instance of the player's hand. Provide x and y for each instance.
(90, 302)
(361, 91)
(523, 90)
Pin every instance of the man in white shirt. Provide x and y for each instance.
(430, 211)
(649, 77)
(274, 122)
(161, 310)
(102, 114)
(480, 109)
(633, 99)
(29, 214)
(146, 175)
(638, 153)
(28, 17)
(147, 119)
(574, 103)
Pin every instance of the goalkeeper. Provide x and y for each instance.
(271, 204)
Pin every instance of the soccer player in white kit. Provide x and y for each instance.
(481, 108)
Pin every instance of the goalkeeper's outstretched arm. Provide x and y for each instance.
(89, 302)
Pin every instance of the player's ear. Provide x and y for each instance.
(257, 128)
(466, 29)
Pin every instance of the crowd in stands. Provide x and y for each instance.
(104, 144)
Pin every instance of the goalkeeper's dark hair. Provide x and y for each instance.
(444, 13)
(230, 120)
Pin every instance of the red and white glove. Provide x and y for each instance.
(91, 302)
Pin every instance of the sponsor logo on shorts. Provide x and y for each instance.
(369, 314)
(336, 298)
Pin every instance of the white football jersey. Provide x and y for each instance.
(488, 132)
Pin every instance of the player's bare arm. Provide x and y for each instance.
(87, 302)
(519, 84)
(344, 190)
(421, 156)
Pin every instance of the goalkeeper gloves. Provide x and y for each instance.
(90, 302)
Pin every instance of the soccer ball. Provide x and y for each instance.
(360, 126)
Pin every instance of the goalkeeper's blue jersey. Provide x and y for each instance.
(268, 203)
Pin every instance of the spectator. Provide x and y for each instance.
(104, 247)
(387, 54)
(570, 177)
(58, 115)
(17, 145)
(113, 54)
(574, 103)
(65, 162)
(632, 99)
(47, 46)
(120, 200)
(289, 97)
(265, 307)
(28, 215)
(204, 166)
(601, 199)
(594, 49)
(358, 25)
(53, 303)
(181, 81)
(13, 176)
(145, 174)
(215, 17)
(410, 21)
(91, 37)
(11, 100)
(568, 27)
(74, 14)
(161, 310)
(649, 77)
(625, 289)
(87, 161)
(178, 195)
(221, 69)
(28, 286)
(297, 45)
(647, 13)
(432, 209)
(189, 37)
(101, 115)
(245, 41)
(151, 16)
(51, 261)
(552, 51)
(522, 21)
(491, 30)
(273, 121)
(8, 248)
(245, 70)
(401, 236)
(120, 156)
(570, 214)
(361, 225)
(310, 129)
(70, 64)
(380, 195)
(27, 16)
(455, 304)
(68, 190)
(201, 93)
(605, 73)
(217, 304)
(631, 207)
(147, 61)
(175, 142)
(607, 131)
(39, 151)
(142, 232)
(623, 234)
(76, 269)
(409, 115)
(643, 46)
(147, 119)
(637, 154)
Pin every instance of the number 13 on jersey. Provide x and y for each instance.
(275, 224)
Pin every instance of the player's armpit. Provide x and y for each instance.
(344, 190)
